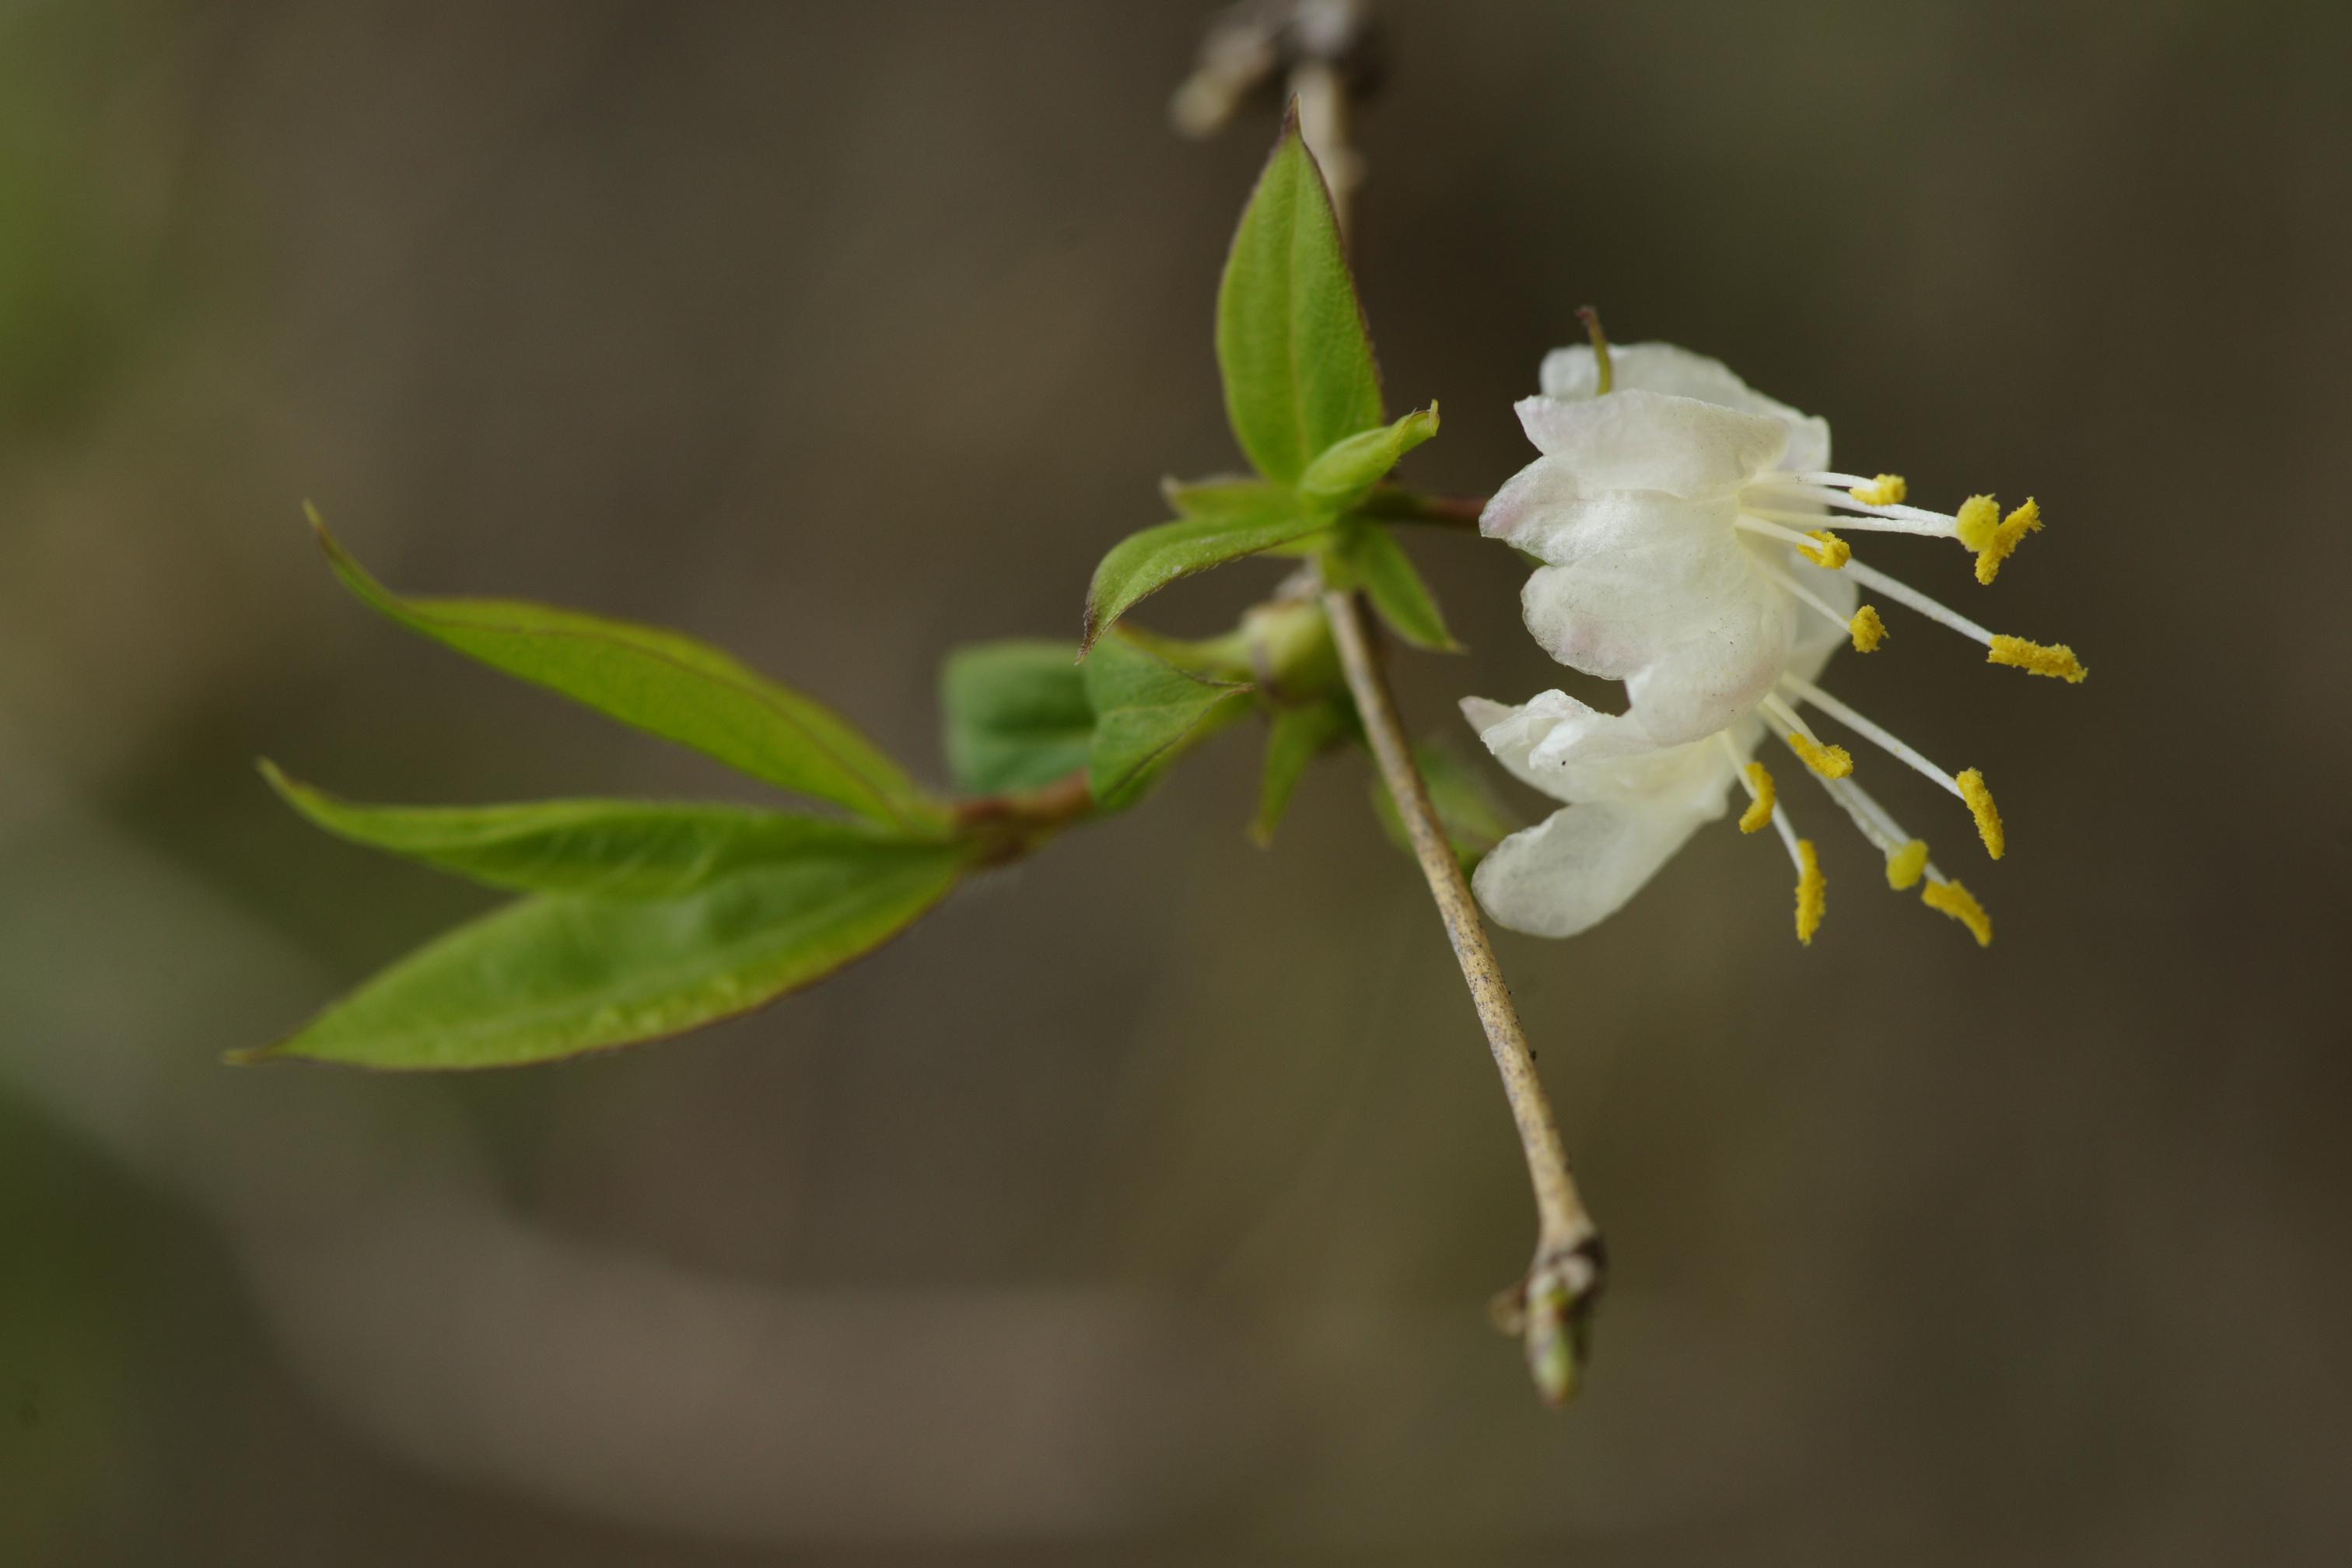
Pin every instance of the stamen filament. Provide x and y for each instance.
(1877, 736)
(1846, 501)
(1911, 598)
(1863, 626)
(1791, 537)
(1867, 524)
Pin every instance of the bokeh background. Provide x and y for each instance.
(1143, 1204)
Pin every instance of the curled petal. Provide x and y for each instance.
(1661, 367)
(1578, 866)
(1695, 630)
(1576, 753)
(1639, 440)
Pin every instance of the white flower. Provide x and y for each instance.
(1678, 517)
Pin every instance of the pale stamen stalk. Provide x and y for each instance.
(1877, 736)
(1872, 524)
(1805, 595)
(1911, 598)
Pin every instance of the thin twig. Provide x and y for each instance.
(1551, 1308)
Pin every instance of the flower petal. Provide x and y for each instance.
(1640, 440)
(1578, 866)
(1713, 680)
(1550, 511)
(1661, 367)
(1691, 624)
(1556, 745)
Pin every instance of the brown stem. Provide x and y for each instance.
(1551, 1308)
(1014, 823)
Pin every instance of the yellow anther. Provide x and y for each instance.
(1830, 761)
(1972, 790)
(1978, 520)
(1887, 490)
(1961, 905)
(2005, 539)
(1759, 814)
(1907, 865)
(2056, 660)
(1812, 891)
(1868, 630)
(1833, 551)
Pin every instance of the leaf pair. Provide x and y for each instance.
(1022, 715)
(639, 919)
(1303, 393)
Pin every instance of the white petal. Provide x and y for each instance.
(1661, 367)
(1649, 441)
(1695, 630)
(1576, 753)
(1578, 866)
(1553, 742)
(1548, 510)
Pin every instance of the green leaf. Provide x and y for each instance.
(1256, 519)
(1016, 715)
(1225, 497)
(1379, 564)
(1291, 341)
(1475, 822)
(558, 974)
(1147, 713)
(612, 848)
(1295, 737)
(667, 684)
(1347, 470)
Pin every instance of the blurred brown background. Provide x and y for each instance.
(1142, 1204)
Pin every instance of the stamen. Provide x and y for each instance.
(1961, 905)
(1911, 598)
(2005, 539)
(1868, 631)
(2056, 660)
(1989, 828)
(1812, 891)
(1873, 733)
(1807, 488)
(1880, 522)
(1805, 542)
(1830, 761)
(1907, 857)
(1759, 807)
(1833, 553)
(1887, 490)
(1805, 595)
(1975, 523)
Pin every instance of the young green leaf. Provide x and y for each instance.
(611, 848)
(1295, 737)
(1147, 713)
(1379, 566)
(1016, 715)
(1249, 520)
(1475, 822)
(667, 684)
(1347, 470)
(1291, 341)
(558, 974)
(1223, 497)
